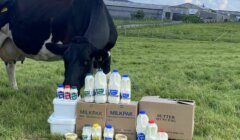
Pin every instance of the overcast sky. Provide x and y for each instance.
(214, 4)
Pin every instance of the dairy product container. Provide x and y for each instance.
(67, 92)
(61, 126)
(125, 89)
(89, 88)
(162, 135)
(71, 136)
(74, 93)
(121, 137)
(87, 132)
(108, 132)
(64, 109)
(114, 87)
(60, 91)
(151, 131)
(100, 85)
(96, 132)
(142, 122)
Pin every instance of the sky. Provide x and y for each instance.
(233, 5)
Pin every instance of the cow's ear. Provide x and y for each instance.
(57, 49)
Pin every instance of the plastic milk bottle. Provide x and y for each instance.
(151, 131)
(60, 91)
(89, 88)
(162, 135)
(74, 93)
(108, 132)
(125, 89)
(96, 132)
(100, 85)
(114, 87)
(87, 132)
(67, 92)
(142, 122)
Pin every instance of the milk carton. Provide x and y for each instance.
(89, 88)
(100, 85)
(60, 91)
(152, 130)
(87, 132)
(125, 89)
(142, 122)
(114, 87)
(96, 132)
(108, 132)
(162, 135)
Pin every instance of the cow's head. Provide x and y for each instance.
(78, 59)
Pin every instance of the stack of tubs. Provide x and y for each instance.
(63, 119)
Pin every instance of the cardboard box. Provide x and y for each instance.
(123, 117)
(90, 113)
(176, 117)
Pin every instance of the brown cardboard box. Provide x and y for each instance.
(123, 117)
(176, 117)
(90, 113)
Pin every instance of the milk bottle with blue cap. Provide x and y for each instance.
(60, 91)
(125, 89)
(108, 132)
(142, 122)
(114, 87)
(89, 88)
(100, 85)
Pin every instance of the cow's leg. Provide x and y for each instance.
(10, 67)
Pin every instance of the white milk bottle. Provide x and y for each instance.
(151, 131)
(114, 87)
(162, 135)
(100, 85)
(108, 132)
(125, 89)
(96, 132)
(142, 122)
(89, 88)
(60, 91)
(87, 132)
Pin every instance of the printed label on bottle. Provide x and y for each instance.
(140, 136)
(96, 138)
(99, 91)
(113, 93)
(60, 95)
(107, 138)
(125, 95)
(86, 137)
(67, 95)
(88, 93)
(74, 96)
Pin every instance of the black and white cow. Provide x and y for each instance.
(81, 32)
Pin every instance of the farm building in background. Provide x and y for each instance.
(123, 9)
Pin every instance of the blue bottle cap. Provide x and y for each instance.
(125, 75)
(142, 112)
(115, 71)
(109, 126)
(60, 86)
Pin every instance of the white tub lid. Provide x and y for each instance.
(65, 102)
(54, 120)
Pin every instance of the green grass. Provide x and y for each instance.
(199, 68)
(144, 21)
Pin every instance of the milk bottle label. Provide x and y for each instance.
(108, 138)
(86, 137)
(140, 136)
(99, 92)
(125, 95)
(113, 93)
(74, 96)
(88, 93)
(96, 138)
(60, 95)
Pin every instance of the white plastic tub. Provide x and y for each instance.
(61, 126)
(64, 109)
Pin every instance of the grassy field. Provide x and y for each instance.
(199, 62)
(145, 21)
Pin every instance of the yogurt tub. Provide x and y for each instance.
(71, 136)
(120, 137)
